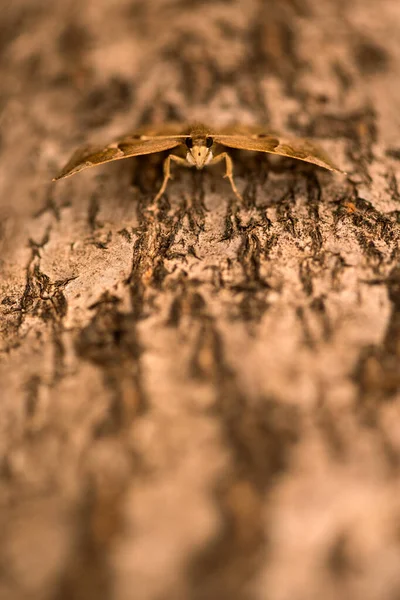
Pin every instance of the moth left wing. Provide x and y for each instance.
(301, 149)
(125, 147)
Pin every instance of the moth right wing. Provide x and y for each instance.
(252, 138)
(127, 146)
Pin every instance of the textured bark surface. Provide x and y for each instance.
(200, 401)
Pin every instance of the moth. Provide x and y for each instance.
(196, 146)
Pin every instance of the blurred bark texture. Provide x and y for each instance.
(200, 400)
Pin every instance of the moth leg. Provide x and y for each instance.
(229, 170)
(167, 172)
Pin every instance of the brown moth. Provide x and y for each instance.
(197, 145)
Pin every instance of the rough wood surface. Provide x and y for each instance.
(202, 401)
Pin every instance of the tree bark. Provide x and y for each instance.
(200, 400)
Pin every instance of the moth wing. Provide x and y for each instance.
(301, 149)
(127, 146)
(248, 142)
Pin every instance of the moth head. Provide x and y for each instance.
(199, 151)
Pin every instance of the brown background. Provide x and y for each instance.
(200, 402)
